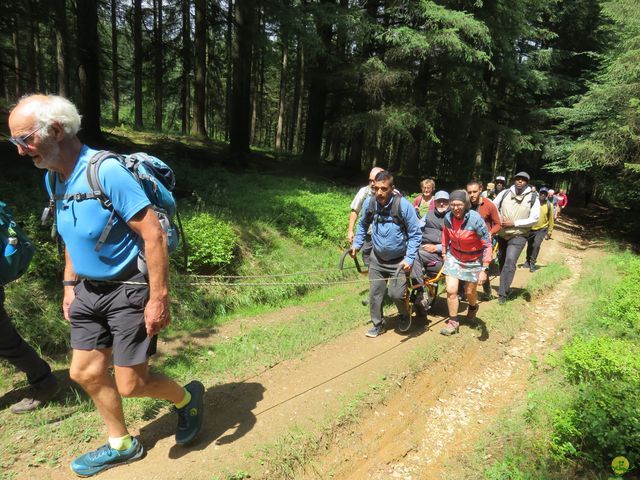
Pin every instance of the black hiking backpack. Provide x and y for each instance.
(387, 214)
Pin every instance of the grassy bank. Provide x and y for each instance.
(581, 412)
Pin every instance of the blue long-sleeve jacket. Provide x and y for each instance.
(390, 241)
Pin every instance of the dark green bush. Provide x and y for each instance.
(621, 313)
(604, 421)
(212, 242)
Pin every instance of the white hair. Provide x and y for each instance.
(52, 108)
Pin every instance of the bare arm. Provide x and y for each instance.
(69, 293)
(353, 216)
(156, 313)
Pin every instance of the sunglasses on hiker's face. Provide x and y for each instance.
(21, 141)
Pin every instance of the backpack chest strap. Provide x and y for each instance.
(78, 197)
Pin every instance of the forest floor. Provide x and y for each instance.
(397, 406)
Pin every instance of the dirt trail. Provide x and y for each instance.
(440, 414)
(409, 437)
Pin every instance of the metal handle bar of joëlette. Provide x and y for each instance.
(346, 253)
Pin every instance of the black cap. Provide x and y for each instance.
(524, 175)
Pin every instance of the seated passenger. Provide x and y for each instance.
(429, 259)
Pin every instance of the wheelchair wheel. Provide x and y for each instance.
(421, 306)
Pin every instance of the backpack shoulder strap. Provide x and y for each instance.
(396, 215)
(502, 195)
(93, 167)
(534, 197)
(371, 209)
(96, 188)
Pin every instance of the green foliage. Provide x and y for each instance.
(620, 315)
(505, 470)
(212, 241)
(583, 411)
(314, 218)
(604, 422)
(603, 128)
(436, 28)
(35, 309)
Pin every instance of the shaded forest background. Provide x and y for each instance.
(448, 89)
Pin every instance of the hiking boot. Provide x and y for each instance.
(532, 267)
(376, 330)
(526, 264)
(39, 394)
(190, 416)
(106, 457)
(451, 327)
(472, 311)
(404, 324)
(502, 300)
(485, 297)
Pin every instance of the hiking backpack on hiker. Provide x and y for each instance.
(534, 197)
(156, 179)
(386, 215)
(17, 249)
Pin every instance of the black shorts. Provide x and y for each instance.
(111, 315)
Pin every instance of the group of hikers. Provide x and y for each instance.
(454, 234)
(115, 281)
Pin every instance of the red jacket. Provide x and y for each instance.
(468, 239)
(562, 200)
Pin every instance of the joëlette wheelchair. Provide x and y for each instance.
(430, 286)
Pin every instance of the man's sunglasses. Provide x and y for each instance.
(21, 141)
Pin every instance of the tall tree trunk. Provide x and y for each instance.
(137, 63)
(186, 65)
(497, 158)
(61, 48)
(17, 62)
(227, 112)
(88, 69)
(240, 127)
(361, 101)
(3, 77)
(158, 64)
(318, 95)
(30, 66)
(284, 38)
(115, 82)
(477, 162)
(199, 85)
(37, 49)
(255, 83)
(296, 116)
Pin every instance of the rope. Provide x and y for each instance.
(284, 284)
(273, 275)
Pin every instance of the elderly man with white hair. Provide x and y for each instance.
(115, 311)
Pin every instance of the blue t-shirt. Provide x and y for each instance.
(80, 223)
